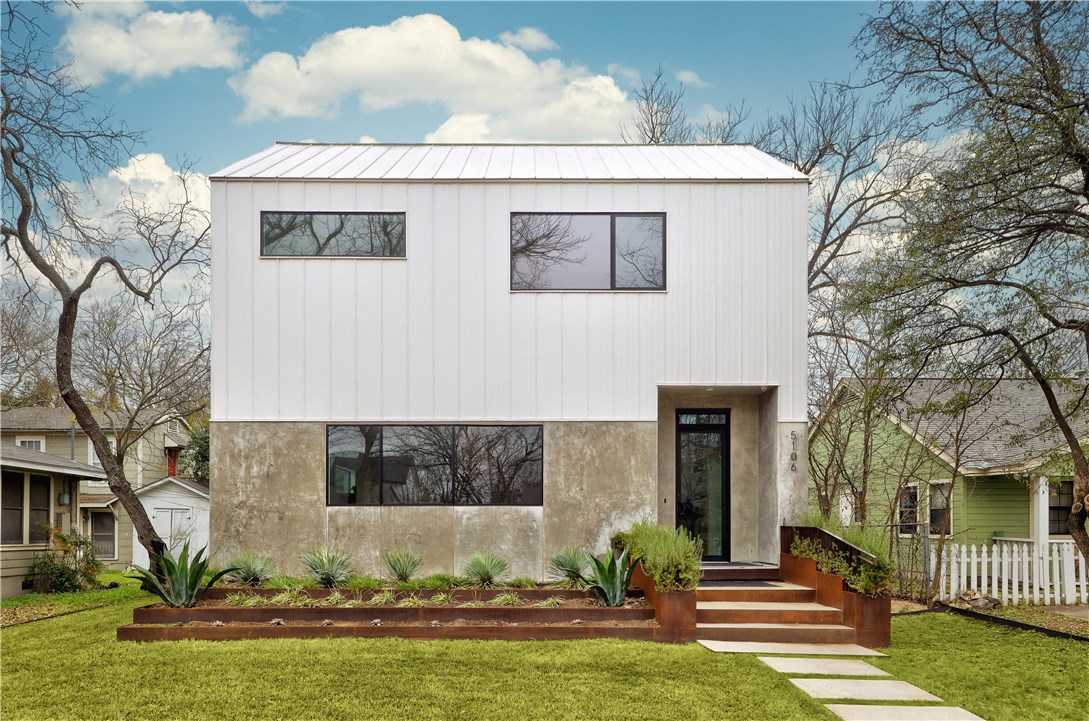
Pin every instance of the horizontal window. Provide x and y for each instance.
(587, 251)
(435, 465)
(367, 235)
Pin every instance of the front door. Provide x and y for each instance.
(703, 479)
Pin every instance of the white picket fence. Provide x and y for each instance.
(1014, 573)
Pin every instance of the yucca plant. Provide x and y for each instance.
(181, 586)
(609, 581)
(330, 567)
(570, 565)
(402, 563)
(251, 569)
(485, 569)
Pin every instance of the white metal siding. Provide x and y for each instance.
(440, 336)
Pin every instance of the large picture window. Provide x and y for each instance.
(587, 251)
(26, 499)
(435, 465)
(368, 235)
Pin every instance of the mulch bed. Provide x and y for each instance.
(1030, 618)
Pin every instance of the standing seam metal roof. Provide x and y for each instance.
(431, 163)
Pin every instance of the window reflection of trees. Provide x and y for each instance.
(539, 244)
(351, 234)
(640, 252)
(422, 465)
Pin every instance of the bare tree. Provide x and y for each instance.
(50, 129)
(997, 256)
(26, 350)
(659, 115)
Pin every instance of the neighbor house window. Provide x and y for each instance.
(587, 251)
(103, 529)
(908, 509)
(1058, 508)
(92, 455)
(939, 507)
(34, 443)
(366, 235)
(435, 465)
(26, 500)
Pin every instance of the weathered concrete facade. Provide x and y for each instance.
(269, 481)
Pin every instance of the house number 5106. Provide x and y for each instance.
(794, 450)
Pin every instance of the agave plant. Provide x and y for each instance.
(610, 580)
(485, 569)
(251, 569)
(402, 563)
(181, 586)
(570, 565)
(330, 567)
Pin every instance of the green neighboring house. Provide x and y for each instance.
(1013, 480)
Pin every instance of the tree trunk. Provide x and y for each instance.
(114, 468)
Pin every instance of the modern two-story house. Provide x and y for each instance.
(506, 347)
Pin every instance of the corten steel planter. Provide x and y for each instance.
(388, 614)
(507, 633)
(871, 617)
(675, 611)
(218, 593)
(801, 571)
(830, 589)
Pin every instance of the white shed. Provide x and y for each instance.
(179, 511)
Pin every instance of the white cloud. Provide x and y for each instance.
(128, 39)
(530, 39)
(690, 77)
(626, 73)
(489, 89)
(264, 9)
(366, 139)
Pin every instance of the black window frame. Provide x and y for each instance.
(612, 252)
(9, 479)
(276, 256)
(907, 525)
(381, 460)
(1059, 511)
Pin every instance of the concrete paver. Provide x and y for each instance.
(862, 689)
(828, 666)
(800, 649)
(852, 712)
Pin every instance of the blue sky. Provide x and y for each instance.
(215, 82)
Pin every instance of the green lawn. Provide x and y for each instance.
(999, 673)
(73, 668)
(33, 606)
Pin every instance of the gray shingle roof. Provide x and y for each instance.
(1011, 426)
(13, 456)
(61, 419)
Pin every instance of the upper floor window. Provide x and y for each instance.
(587, 251)
(373, 235)
(92, 456)
(435, 465)
(34, 443)
(1058, 508)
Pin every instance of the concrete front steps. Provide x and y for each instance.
(766, 611)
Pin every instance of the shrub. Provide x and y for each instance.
(333, 599)
(410, 602)
(485, 569)
(182, 576)
(441, 581)
(382, 598)
(68, 564)
(570, 565)
(610, 580)
(294, 597)
(291, 582)
(251, 569)
(867, 578)
(522, 582)
(551, 602)
(672, 557)
(414, 585)
(246, 600)
(328, 566)
(509, 598)
(443, 598)
(364, 583)
(402, 563)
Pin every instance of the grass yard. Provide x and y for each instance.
(73, 668)
(999, 673)
(34, 606)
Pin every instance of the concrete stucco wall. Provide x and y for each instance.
(268, 496)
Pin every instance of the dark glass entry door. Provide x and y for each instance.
(703, 479)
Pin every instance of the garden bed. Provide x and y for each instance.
(472, 613)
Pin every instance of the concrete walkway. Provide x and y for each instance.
(856, 683)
